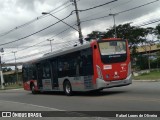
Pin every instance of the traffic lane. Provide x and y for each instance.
(19, 106)
(134, 97)
(31, 108)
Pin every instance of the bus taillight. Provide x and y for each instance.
(99, 72)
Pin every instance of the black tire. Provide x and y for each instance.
(33, 89)
(67, 88)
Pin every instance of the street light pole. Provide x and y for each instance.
(50, 43)
(16, 70)
(115, 31)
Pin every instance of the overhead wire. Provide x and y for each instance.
(35, 32)
(122, 11)
(98, 6)
(41, 52)
(37, 18)
(43, 40)
(125, 11)
(56, 23)
(107, 9)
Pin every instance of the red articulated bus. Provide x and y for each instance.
(96, 65)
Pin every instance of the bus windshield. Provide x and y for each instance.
(112, 47)
(113, 51)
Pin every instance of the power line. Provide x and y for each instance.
(138, 7)
(37, 18)
(42, 52)
(109, 9)
(53, 24)
(121, 11)
(35, 32)
(43, 40)
(71, 41)
(98, 6)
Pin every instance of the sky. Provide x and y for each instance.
(24, 28)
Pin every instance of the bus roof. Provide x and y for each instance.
(64, 51)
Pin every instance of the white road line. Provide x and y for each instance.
(54, 109)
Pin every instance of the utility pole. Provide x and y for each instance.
(50, 43)
(1, 73)
(16, 70)
(78, 22)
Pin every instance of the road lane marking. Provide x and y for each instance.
(54, 109)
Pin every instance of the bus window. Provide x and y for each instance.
(46, 70)
(67, 65)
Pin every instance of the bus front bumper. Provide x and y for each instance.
(101, 84)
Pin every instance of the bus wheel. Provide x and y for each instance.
(67, 88)
(33, 89)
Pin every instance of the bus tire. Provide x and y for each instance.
(32, 87)
(67, 88)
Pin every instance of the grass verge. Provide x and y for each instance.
(13, 86)
(153, 75)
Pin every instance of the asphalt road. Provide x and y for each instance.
(140, 96)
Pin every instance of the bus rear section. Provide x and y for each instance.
(112, 66)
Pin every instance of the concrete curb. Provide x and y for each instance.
(146, 80)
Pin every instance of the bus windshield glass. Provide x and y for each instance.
(113, 51)
(112, 47)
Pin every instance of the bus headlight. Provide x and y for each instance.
(99, 72)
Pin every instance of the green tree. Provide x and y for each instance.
(95, 35)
